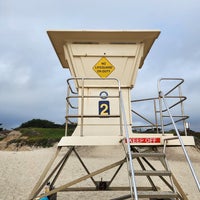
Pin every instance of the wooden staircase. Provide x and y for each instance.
(153, 183)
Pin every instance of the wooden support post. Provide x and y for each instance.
(32, 195)
(63, 187)
(180, 190)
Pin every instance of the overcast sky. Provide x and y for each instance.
(32, 81)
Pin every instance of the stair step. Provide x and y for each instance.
(136, 155)
(157, 194)
(152, 173)
(151, 194)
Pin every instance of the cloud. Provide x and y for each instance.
(32, 81)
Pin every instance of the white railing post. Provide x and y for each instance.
(181, 142)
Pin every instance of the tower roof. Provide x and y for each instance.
(60, 38)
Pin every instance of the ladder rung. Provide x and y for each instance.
(157, 194)
(152, 173)
(136, 155)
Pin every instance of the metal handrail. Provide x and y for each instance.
(181, 141)
(182, 98)
(73, 93)
(170, 79)
(150, 122)
(147, 120)
(133, 181)
(159, 111)
(180, 101)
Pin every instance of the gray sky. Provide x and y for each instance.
(32, 81)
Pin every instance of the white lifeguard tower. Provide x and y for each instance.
(104, 67)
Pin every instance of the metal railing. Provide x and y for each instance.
(150, 122)
(162, 96)
(162, 111)
(178, 100)
(160, 121)
(129, 159)
(76, 97)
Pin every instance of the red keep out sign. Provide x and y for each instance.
(149, 140)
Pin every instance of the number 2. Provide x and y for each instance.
(104, 108)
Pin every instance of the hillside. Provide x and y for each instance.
(31, 137)
(43, 133)
(34, 133)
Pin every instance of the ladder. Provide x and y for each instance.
(151, 182)
(168, 189)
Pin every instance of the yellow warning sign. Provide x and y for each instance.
(103, 67)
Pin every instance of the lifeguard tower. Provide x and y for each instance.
(104, 67)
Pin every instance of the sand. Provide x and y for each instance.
(19, 171)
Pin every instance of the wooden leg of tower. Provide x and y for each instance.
(180, 190)
(35, 189)
(63, 187)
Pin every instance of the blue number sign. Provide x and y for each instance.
(104, 108)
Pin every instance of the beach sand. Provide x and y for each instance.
(20, 170)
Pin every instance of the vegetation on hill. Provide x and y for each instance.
(38, 137)
(44, 133)
(196, 136)
(40, 123)
(40, 133)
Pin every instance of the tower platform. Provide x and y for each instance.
(136, 139)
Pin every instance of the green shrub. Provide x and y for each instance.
(40, 123)
(41, 137)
